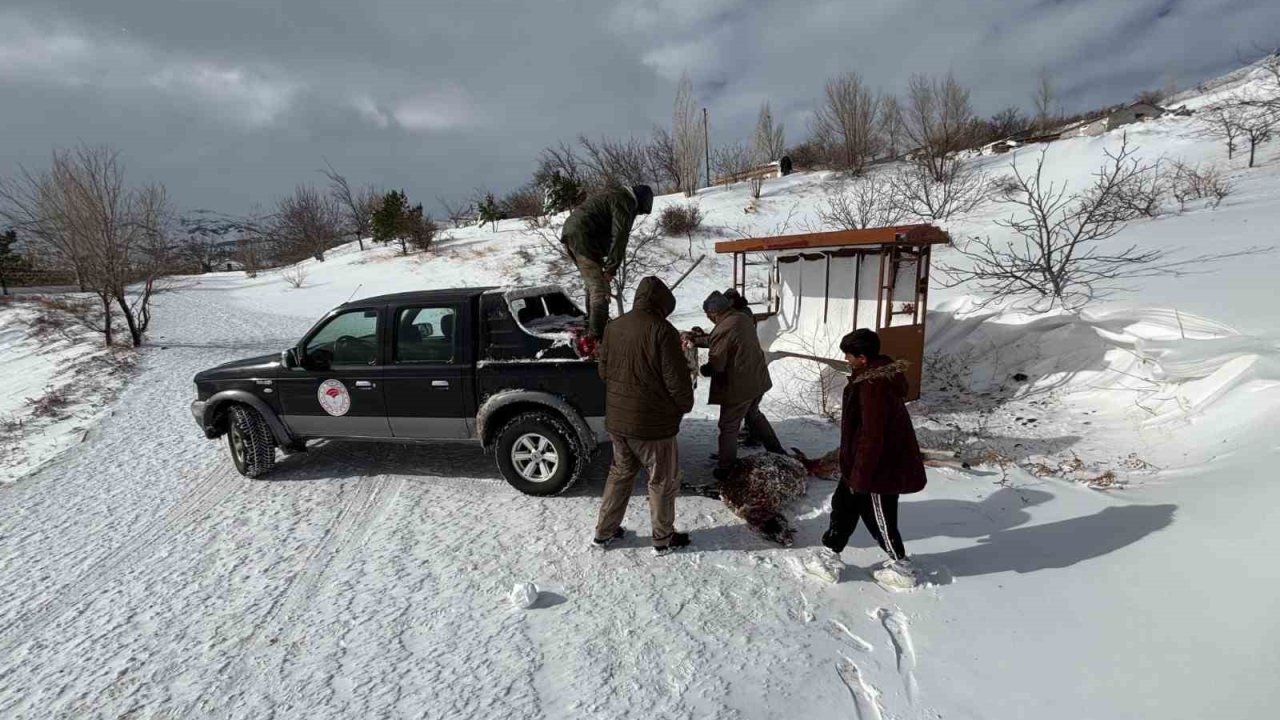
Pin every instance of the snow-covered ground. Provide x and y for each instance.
(142, 577)
(58, 378)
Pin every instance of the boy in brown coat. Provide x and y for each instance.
(879, 456)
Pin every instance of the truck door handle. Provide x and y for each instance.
(439, 383)
(365, 385)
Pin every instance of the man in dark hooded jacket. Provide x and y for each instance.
(596, 235)
(879, 456)
(648, 391)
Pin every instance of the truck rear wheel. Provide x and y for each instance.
(253, 449)
(539, 454)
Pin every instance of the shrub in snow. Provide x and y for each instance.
(860, 203)
(961, 189)
(680, 220)
(295, 276)
(1192, 182)
(522, 203)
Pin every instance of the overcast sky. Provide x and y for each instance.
(232, 102)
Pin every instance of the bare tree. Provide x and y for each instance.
(306, 223)
(560, 160)
(1222, 121)
(1142, 193)
(1058, 255)
(1006, 123)
(869, 201)
(644, 256)
(919, 193)
(731, 163)
(1257, 123)
(893, 127)
(939, 121)
(525, 202)
(613, 162)
(248, 255)
(460, 214)
(768, 142)
(1043, 99)
(687, 137)
(661, 151)
(117, 239)
(1193, 182)
(846, 122)
(357, 206)
(812, 387)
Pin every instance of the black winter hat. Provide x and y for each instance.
(735, 299)
(716, 302)
(644, 199)
(862, 342)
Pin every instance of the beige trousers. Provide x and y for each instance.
(661, 459)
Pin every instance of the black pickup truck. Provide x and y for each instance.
(497, 367)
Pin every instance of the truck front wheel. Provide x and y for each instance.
(538, 454)
(253, 449)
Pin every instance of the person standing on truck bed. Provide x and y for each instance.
(595, 236)
(648, 391)
(739, 375)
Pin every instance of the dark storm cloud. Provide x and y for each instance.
(231, 102)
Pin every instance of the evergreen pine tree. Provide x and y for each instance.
(389, 219)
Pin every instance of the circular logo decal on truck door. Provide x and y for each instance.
(334, 397)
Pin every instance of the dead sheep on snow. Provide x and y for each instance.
(759, 490)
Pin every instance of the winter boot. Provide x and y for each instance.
(677, 541)
(897, 575)
(606, 542)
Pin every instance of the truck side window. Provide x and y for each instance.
(425, 335)
(347, 339)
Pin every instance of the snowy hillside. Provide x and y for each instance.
(1106, 555)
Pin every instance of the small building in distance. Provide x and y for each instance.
(1114, 118)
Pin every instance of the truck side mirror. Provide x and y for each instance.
(289, 358)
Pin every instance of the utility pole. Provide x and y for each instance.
(706, 145)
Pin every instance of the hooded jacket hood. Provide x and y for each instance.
(654, 296)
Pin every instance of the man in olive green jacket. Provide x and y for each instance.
(596, 235)
(739, 375)
(648, 392)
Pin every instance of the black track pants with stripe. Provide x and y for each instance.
(878, 512)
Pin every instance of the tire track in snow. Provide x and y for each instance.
(218, 483)
(280, 626)
(349, 530)
(899, 628)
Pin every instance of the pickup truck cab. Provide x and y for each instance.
(497, 367)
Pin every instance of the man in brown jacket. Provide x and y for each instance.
(648, 391)
(879, 456)
(739, 375)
